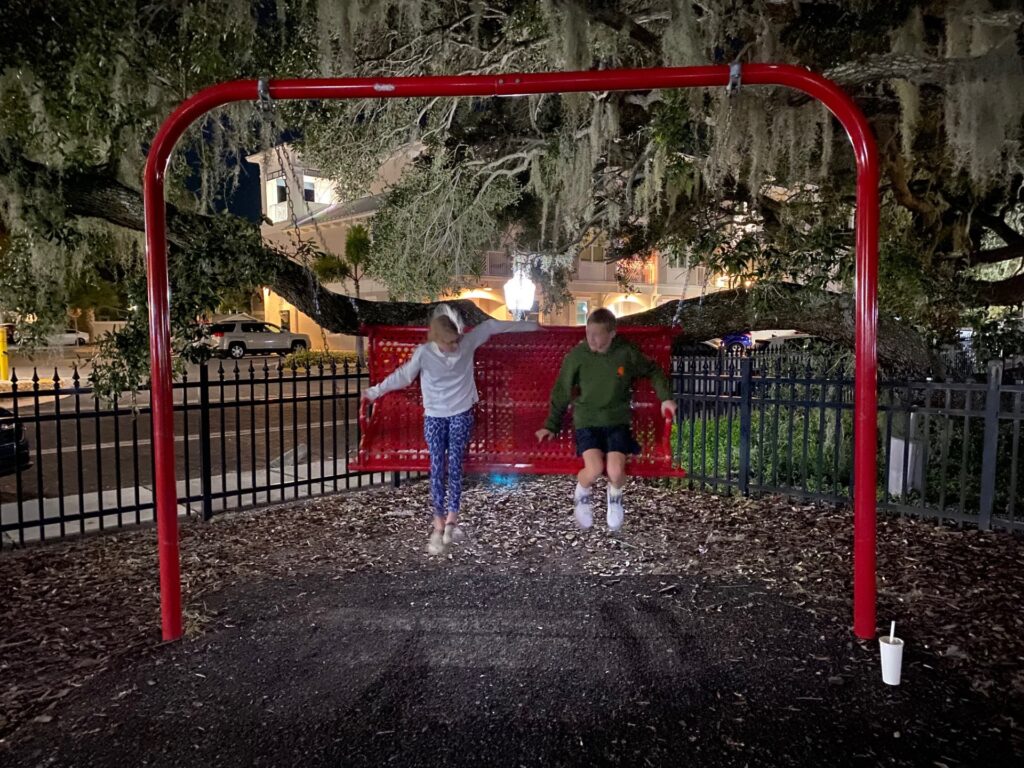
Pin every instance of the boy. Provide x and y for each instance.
(602, 368)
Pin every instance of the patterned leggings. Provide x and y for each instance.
(447, 439)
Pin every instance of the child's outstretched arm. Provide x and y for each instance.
(645, 367)
(400, 378)
(488, 328)
(561, 395)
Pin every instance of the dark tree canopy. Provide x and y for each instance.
(759, 184)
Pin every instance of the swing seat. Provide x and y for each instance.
(514, 376)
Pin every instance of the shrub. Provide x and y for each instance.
(314, 359)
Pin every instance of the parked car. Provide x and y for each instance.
(779, 339)
(737, 342)
(69, 338)
(14, 455)
(237, 338)
(741, 341)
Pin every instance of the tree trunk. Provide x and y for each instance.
(360, 341)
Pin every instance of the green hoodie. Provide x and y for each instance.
(604, 381)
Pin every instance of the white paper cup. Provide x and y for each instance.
(892, 659)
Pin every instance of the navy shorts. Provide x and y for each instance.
(617, 439)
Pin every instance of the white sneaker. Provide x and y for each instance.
(452, 533)
(584, 510)
(435, 545)
(616, 514)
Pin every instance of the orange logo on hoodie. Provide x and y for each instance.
(621, 371)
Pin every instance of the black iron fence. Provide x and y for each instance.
(246, 434)
(255, 433)
(784, 424)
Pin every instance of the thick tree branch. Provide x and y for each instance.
(896, 171)
(95, 197)
(997, 224)
(346, 314)
(920, 70)
(996, 255)
(786, 305)
(619, 21)
(1001, 293)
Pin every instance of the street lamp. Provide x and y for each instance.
(519, 292)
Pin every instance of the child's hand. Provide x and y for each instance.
(366, 396)
(544, 434)
(668, 408)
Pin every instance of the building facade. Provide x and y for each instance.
(302, 205)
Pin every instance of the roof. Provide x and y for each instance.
(238, 316)
(354, 209)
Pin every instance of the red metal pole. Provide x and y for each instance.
(865, 398)
(159, 295)
(841, 105)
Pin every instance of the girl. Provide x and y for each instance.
(445, 367)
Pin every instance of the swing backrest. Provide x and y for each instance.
(514, 376)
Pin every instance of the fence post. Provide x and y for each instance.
(396, 479)
(991, 445)
(746, 393)
(205, 462)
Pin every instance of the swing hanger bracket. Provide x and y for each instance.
(263, 89)
(735, 79)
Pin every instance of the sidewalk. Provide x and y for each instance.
(225, 489)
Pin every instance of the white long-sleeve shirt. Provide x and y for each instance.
(446, 380)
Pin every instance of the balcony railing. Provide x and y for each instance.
(497, 264)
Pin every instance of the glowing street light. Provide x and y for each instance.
(519, 293)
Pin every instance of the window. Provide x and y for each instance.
(582, 312)
(595, 248)
(277, 199)
(253, 328)
(222, 328)
(317, 189)
(270, 328)
(594, 252)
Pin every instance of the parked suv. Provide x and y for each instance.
(237, 338)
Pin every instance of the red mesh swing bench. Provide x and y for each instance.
(514, 376)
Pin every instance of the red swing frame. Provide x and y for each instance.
(866, 281)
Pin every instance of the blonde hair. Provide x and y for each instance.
(444, 322)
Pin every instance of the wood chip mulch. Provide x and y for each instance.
(71, 609)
